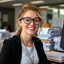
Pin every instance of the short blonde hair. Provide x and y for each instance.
(24, 9)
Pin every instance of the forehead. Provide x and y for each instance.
(30, 13)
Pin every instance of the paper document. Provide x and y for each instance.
(55, 55)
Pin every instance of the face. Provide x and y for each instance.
(29, 27)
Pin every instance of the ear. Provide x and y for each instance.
(19, 23)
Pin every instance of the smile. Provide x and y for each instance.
(32, 28)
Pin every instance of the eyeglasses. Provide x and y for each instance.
(28, 20)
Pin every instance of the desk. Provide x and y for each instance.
(55, 61)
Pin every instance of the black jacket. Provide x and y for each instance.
(11, 52)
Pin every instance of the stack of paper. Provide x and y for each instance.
(57, 41)
(43, 33)
(46, 46)
(55, 55)
(4, 34)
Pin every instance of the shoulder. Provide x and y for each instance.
(37, 42)
(36, 39)
(12, 38)
(10, 41)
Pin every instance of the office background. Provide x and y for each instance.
(52, 11)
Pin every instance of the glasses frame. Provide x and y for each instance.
(31, 20)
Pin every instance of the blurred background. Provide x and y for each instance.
(51, 11)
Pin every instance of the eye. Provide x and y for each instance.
(27, 19)
(37, 20)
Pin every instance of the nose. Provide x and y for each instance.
(32, 22)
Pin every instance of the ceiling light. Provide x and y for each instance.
(44, 7)
(62, 5)
(18, 4)
(1, 1)
(55, 10)
(62, 11)
(52, 8)
(36, 2)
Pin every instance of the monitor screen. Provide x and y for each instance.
(57, 22)
(62, 38)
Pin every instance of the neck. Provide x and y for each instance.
(26, 40)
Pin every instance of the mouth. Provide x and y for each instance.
(31, 28)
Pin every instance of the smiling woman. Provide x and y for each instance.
(24, 48)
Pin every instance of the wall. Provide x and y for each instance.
(44, 15)
(17, 9)
(10, 20)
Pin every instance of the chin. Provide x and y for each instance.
(32, 33)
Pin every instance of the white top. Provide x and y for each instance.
(29, 55)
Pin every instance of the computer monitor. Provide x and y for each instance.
(62, 38)
(57, 22)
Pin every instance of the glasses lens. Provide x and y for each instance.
(27, 20)
(37, 20)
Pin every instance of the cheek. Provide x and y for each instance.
(38, 25)
(21, 23)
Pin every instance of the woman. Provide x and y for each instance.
(24, 47)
